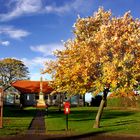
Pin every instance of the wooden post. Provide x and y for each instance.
(67, 122)
(1, 109)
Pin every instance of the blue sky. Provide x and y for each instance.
(30, 30)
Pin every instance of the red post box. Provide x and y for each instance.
(67, 108)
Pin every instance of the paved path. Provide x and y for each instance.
(37, 125)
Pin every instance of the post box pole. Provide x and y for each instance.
(67, 111)
(66, 121)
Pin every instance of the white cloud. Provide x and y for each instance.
(35, 66)
(47, 49)
(37, 61)
(57, 10)
(13, 32)
(22, 7)
(35, 76)
(29, 7)
(77, 5)
(4, 43)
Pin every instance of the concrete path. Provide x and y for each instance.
(37, 125)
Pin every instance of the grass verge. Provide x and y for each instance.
(16, 121)
(81, 120)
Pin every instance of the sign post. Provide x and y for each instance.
(67, 111)
(1, 108)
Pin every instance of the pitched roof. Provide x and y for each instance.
(26, 86)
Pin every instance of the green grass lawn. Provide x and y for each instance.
(16, 121)
(81, 120)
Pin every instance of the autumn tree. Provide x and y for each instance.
(104, 56)
(11, 70)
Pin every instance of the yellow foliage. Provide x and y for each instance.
(105, 50)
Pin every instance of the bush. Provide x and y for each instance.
(131, 101)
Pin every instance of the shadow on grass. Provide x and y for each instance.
(54, 130)
(80, 120)
(17, 112)
(75, 137)
(87, 136)
(120, 123)
(83, 114)
(115, 114)
(87, 115)
(54, 137)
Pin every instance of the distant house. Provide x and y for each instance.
(28, 92)
(11, 96)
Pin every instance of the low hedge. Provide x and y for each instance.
(133, 101)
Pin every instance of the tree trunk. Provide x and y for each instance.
(60, 102)
(101, 107)
(84, 104)
(78, 100)
(99, 114)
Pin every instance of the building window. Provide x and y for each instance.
(17, 97)
(46, 97)
(54, 97)
(80, 97)
(28, 97)
(37, 97)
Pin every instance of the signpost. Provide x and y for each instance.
(1, 108)
(67, 111)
